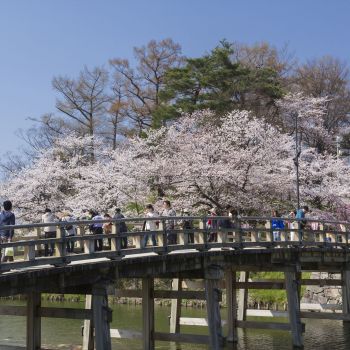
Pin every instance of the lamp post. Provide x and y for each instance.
(296, 158)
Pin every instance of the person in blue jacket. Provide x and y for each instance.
(301, 215)
(276, 224)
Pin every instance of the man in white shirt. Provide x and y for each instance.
(150, 225)
(49, 231)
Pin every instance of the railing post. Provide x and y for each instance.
(161, 238)
(321, 234)
(137, 241)
(29, 252)
(38, 236)
(269, 233)
(115, 241)
(222, 235)
(199, 237)
(81, 233)
(60, 246)
(181, 240)
(239, 232)
(212, 276)
(89, 245)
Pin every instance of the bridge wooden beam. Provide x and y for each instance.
(88, 331)
(243, 296)
(346, 293)
(231, 302)
(176, 306)
(292, 287)
(101, 318)
(212, 276)
(148, 313)
(33, 340)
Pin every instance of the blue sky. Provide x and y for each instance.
(43, 38)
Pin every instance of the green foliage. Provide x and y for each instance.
(271, 296)
(216, 82)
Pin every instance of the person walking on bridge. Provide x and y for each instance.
(301, 213)
(7, 217)
(121, 227)
(169, 223)
(276, 224)
(150, 225)
(49, 231)
(96, 229)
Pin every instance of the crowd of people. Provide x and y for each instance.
(294, 222)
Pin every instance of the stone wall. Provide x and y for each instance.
(325, 294)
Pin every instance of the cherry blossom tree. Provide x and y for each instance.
(197, 162)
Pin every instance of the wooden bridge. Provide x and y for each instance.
(215, 256)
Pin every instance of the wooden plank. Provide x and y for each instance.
(33, 340)
(10, 310)
(182, 338)
(176, 307)
(294, 308)
(74, 314)
(197, 321)
(147, 313)
(266, 313)
(162, 294)
(125, 334)
(325, 316)
(319, 307)
(260, 285)
(264, 325)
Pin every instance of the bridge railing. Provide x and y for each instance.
(172, 233)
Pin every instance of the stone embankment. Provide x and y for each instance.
(324, 294)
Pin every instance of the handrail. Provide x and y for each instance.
(243, 232)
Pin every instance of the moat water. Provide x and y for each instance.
(66, 334)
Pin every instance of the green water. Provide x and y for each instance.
(63, 333)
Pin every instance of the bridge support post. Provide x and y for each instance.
(212, 276)
(243, 297)
(346, 292)
(231, 302)
(88, 336)
(33, 321)
(175, 307)
(101, 317)
(292, 287)
(148, 313)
